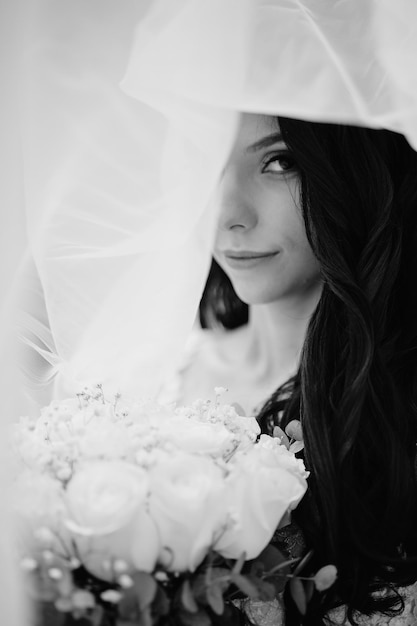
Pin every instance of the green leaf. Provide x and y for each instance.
(282, 568)
(128, 605)
(187, 597)
(136, 599)
(298, 595)
(280, 581)
(245, 585)
(266, 590)
(237, 567)
(277, 567)
(278, 432)
(270, 557)
(303, 562)
(309, 589)
(221, 577)
(146, 587)
(297, 446)
(198, 586)
(214, 596)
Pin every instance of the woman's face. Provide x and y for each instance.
(261, 242)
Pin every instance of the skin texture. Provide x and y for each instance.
(259, 199)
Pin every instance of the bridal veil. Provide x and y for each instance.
(117, 125)
(126, 116)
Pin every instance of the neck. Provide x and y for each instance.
(276, 335)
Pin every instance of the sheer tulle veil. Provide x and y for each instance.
(121, 123)
(127, 115)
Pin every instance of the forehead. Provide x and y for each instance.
(252, 127)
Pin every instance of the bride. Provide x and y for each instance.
(317, 234)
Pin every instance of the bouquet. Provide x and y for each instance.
(135, 513)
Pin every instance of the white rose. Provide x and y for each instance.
(194, 436)
(31, 451)
(107, 504)
(273, 454)
(247, 428)
(188, 504)
(263, 484)
(247, 425)
(39, 508)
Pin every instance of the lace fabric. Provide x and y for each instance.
(272, 613)
(408, 617)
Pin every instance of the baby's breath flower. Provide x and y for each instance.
(140, 438)
(125, 581)
(28, 564)
(55, 573)
(111, 595)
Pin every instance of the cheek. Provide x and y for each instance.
(287, 221)
(301, 259)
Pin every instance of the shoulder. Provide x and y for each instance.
(215, 349)
(208, 359)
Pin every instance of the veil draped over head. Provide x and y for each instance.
(127, 115)
(122, 118)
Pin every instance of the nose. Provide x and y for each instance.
(237, 211)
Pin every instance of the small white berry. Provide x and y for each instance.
(111, 595)
(28, 564)
(55, 573)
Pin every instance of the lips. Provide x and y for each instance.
(246, 259)
(247, 254)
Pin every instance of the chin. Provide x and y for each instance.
(270, 291)
(257, 296)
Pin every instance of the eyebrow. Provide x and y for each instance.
(265, 142)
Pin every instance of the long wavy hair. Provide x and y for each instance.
(356, 387)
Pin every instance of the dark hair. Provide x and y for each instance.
(356, 388)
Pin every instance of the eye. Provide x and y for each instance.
(278, 163)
